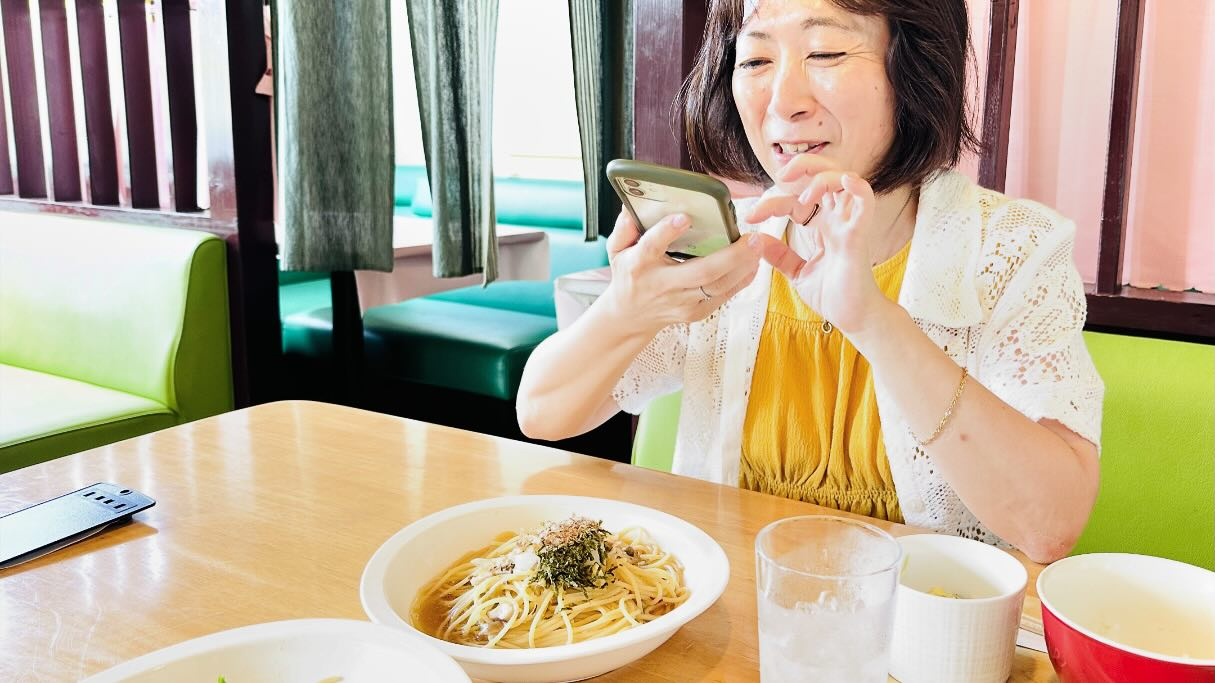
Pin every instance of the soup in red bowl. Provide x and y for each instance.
(1117, 617)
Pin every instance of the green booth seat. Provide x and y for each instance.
(1157, 450)
(474, 339)
(439, 343)
(405, 183)
(568, 253)
(522, 201)
(1157, 492)
(305, 308)
(556, 207)
(456, 346)
(107, 331)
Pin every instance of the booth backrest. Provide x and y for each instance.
(1157, 450)
(138, 309)
(523, 201)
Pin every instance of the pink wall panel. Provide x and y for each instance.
(1171, 241)
(1060, 128)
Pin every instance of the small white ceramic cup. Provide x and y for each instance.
(970, 639)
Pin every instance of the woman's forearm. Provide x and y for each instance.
(567, 384)
(1021, 478)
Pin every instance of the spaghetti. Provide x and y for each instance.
(564, 583)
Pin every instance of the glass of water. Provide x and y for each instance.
(826, 588)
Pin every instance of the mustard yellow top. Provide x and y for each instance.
(812, 431)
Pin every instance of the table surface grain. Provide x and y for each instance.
(271, 513)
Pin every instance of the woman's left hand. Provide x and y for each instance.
(836, 278)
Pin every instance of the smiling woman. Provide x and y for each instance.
(890, 339)
(846, 49)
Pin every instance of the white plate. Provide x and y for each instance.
(418, 553)
(297, 651)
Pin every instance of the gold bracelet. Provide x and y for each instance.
(953, 404)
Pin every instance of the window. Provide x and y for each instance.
(535, 119)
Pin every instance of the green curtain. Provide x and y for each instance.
(334, 101)
(453, 60)
(601, 32)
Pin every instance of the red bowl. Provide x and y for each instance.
(1115, 618)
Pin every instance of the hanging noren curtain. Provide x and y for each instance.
(453, 61)
(334, 98)
(601, 33)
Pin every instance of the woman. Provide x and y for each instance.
(889, 338)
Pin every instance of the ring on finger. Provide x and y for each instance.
(813, 213)
(707, 295)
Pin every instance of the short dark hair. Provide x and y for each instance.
(926, 63)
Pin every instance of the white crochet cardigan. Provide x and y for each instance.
(989, 279)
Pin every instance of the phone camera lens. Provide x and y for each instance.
(635, 192)
(631, 183)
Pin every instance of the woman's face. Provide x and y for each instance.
(811, 78)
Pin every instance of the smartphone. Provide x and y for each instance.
(651, 192)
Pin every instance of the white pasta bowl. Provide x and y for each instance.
(417, 554)
(308, 650)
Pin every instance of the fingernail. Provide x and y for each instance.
(753, 241)
(680, 220)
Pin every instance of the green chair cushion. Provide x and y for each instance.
(568, 253)
(1157, 450)
(301, 295)
(525, 296)
(457, 346)
(473, 339)
(654, 443)
(107, 330)
(405, 183)
(138, 309)
(291, 277)
(523, 201)
(309, 335)
(44, 416)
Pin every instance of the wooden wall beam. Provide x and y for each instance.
(1116, 198)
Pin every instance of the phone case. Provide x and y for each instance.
(44, 527)
(651, 192)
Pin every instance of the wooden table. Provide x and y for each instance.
(522, 255)
(271, 513)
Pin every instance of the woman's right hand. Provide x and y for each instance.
(651, 290)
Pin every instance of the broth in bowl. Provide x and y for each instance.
(1113, 616)
(560, 583)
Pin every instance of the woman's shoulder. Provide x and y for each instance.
(954, 197)
(1004, 239)
(1024, 220)
(998, 226)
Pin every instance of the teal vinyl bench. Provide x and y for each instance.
(474, 339)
